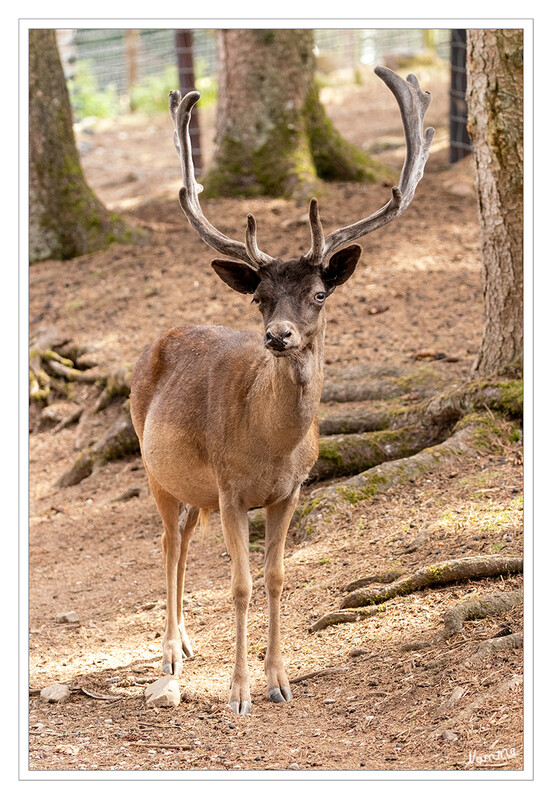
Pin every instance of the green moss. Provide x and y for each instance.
(435, 572)
(285, 162)
(310, 506)
(406, 587)
(425, 377)
(50, 355)
(329, 451)
(515, 435)
(511, 397)
(334, 157)
(372, 484)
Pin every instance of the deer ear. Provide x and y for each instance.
(238, 276)
(341, 265)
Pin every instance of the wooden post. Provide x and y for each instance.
(132, 43)
(460, 142)
(185, 60)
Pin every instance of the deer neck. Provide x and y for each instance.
(290, 389)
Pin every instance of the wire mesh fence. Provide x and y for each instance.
(104, 52)
(123, 65)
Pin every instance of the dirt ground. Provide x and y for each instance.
(380, 706)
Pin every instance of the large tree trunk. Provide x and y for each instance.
(273, 136)
(65, 217)
(495, 101)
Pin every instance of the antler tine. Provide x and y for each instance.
(316, 253)
(180, 110)
(413, 104)
(257, 256)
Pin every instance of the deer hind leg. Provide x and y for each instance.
(186, 526)
(236, 534)
(278, 517)
(168, 507)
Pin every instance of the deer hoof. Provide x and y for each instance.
(243, 708)
(173, 668)
(282, 694)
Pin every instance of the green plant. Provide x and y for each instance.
(87, 99)
(151, 94)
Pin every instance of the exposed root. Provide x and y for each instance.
(382, 577)
(353, 453)
(119, 441)
(471, 568)
(320, 673)
(47, 365)
(437, 413)
(70, 373)
(357, 385)
(514, 683)
(470, 434)
(117, 385)
(492, 645)
(478, 608)
(342, 616)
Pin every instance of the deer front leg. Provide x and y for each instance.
(236, 534)
(278, 517)
(186, 527)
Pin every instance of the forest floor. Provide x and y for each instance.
(415, 297)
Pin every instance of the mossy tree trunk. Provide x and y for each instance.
(66, 219)
(495, 100)
(273, 136)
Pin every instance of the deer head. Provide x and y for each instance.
(291, 294)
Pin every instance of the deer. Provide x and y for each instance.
(227, 419)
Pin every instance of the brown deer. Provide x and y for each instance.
(227, 419)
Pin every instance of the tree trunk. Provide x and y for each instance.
(65, 217)
(273, 136)
(495, 101)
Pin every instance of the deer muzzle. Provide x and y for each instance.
(281, 337)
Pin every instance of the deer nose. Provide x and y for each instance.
(279, 336)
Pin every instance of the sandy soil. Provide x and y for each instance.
(380, 707)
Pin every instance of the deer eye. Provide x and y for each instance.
(320, 296)
(256, 300)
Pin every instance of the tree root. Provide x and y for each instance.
(438, 412)
(356, 452)
(471, 568)
(359, 384)
(388, 576)
(368, 601)
(361, 390)
(320, 673)
(513, 683)
(47, 365)
(470, 433)
(342, 616)
(119, 441)
(117, 385)
(478, 608)
(492, 645)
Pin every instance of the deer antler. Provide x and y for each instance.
(413, 104)
(180, 110)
